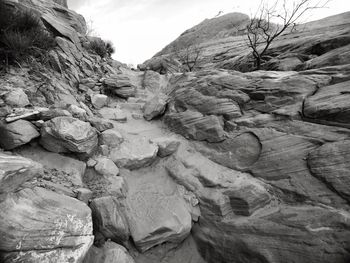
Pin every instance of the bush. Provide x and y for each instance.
(22, 35)
(101, 47)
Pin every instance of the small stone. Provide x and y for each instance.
(111, 138)
(99, 100)
(106, 167)
(17, 98)
(167, 146)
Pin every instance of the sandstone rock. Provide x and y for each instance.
(155, 210)
(134, 153)
(38, 225)
(100, 124)
(99, 100)
(109, 219)
(17, 98)
(330, 103)
(109, 253)
(16, 134)
(16, 170)
(66, 134)
(167, 146)
(120, 85)
(112, 138)
(330, 163)
(113, 114)
(195, 126)
(154, 107)
(106, 167)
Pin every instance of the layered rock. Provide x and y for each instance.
(194, 125)
(40, 225)
(120, 85)
(66, 134)
(134, 153)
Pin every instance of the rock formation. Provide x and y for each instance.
(101, 163)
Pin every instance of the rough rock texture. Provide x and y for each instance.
(112, 138)
(194, 125)
(113, 114)
(100, 124)
(17, 98)
(99, 100)
(66, 134)
(109, 219)
(154, 107)
(120, 85)
(330, 163)
(38, 225)
(167, 146)
(17, 133)
(134, 153)
(330, 103)
(16, 170)
(155, 210)
(106, 167)
(109, 253)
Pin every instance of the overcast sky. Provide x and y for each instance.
(141, 28)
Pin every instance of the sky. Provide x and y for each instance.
(141, 28)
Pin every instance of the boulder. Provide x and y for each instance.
(111, 137)
(106, 167)
(113, 114)
(109, 219)
(109, 253)
(77, 112)
(16, 170)
(16, 98)
(156, 211)
(166, 146)
(134, 153)
(330, 163)
(194, 125)
(17, 133)
(67, 134)
(99, 100)
(120, 85)
(154, 107)
(84, 195)
(100, 124)
(53, 113)
(38, 225)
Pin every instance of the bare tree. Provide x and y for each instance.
(270, 21)
(189, 57)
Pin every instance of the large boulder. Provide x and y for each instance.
(67, 134)
(38, 225)
(156, 211)
(154, 107)
(16, 98)
(16, 170)
(109, 218)
(134, 153)
(17, 133)
(120, 85)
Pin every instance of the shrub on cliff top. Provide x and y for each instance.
(101, 47)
